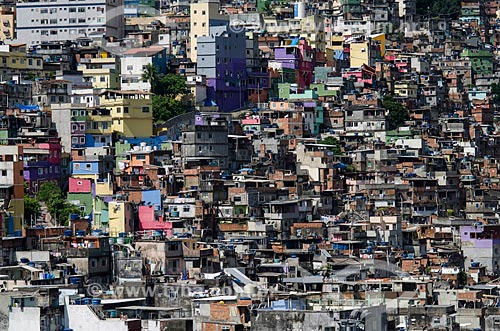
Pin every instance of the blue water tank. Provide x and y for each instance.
(86, 301)
(68, 233)
(78, 301)
(24, 260)
(80, 233)
(97, 233)
(96, 301)
(74, 217)
(113, 314)
(475, 264)
(122, 234)
(74, 280)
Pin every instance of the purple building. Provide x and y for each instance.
(296, 54)
(222, 60)
(481, 245)
(42, 163)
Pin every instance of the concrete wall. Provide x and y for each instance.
(271, 320)
(27, 318)
(81, 318)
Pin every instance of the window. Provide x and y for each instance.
(40, 171)
(145, 109)
(81, 10)
(125, 110)
(186, 209)
(4, 173)
(72, 10)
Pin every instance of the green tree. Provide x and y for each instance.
(449, 8)
(51, 194)
(331, 140)
(170, 85)
(495, 94)
(60, 210)
(398, 113)
(49, 191)
(31, 208)
(150, 74)
(165, 108)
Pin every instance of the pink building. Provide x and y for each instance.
(148, 220)
(78, 185)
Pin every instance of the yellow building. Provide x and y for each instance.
(380, 38)
(15, 57)
(366, 52)
(359, 54)
(99, 122)
(406, 89)
(120, 217)
(203, 14)
(102, 72)
(312, 29)
(131, 112)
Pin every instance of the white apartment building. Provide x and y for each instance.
(131, 73)
(61, 20)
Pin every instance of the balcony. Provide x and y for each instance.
(233, 227)
(281, 216)
(63, 91)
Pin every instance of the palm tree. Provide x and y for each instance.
(150, 74)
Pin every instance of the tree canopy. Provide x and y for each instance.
(495, 93)
(398, 113)
(165, 108)
(166, 90)
(450, 8)
(331, 140)
(51, 194)
(169, 85)
(31, 208)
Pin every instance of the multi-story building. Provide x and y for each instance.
(222, 59)
(297, 55)
(69, 120)
(131, 112)
(206, 142)
(479, 244)
(103, 73)
(204, 14)
(63, 20)
(11, 189)
(135, 60)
